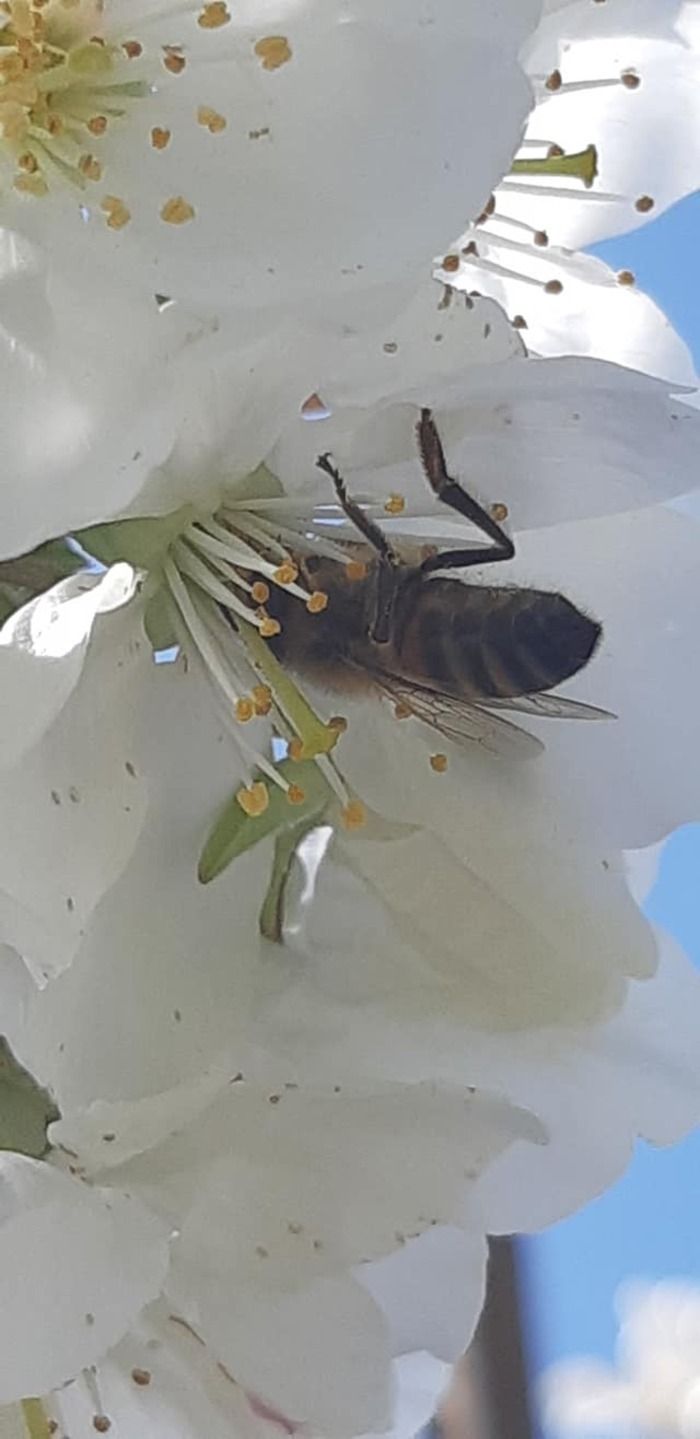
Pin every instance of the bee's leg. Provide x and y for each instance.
(362, 522)
(389, 561)
(451, 493)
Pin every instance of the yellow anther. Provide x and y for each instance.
(354, 815)
(356, 570)
(317, 602)
(499, 512)
(438, 762)
(254, 800)
(90, 167)
(211, 119)
(273, 51)
(269, 628)
(173, 59)
(177, 211)
(117, 213)
(395, 505)
(339, 723)
(159, 137)
(260, 592)
(285, 574)
(244, 709)
(29, 163)
(296, 748)
(214, 15)
(262, 699)
(295, 794)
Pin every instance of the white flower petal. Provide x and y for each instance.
(594, 312)
(555, 440)
(264, 1192)
(635, 130)
(633, 779)
(76, 1267)
(642, 870)
(75, 808)
(242, 1184)
(162, 959)
(161, 1379)
(320, 1355)
(42, 653)
(597, 1091)
(422, 1291)
(279, 194)
(85, 368)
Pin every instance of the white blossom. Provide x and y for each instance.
(615, 85)
(240, 154)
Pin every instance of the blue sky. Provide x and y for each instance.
(649, 1224)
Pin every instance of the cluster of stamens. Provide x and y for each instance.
(60, 87)
(507, 245)
(221, 573)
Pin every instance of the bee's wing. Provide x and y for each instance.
(551, 707)
(459, 720)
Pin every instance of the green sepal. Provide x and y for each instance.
(158, 621)
(143, 543)
(26, 1110)
(235, 832)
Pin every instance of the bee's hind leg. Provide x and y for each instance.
(389, 561)
(451, 493)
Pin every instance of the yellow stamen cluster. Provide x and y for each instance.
(395, 505)
(53, 90)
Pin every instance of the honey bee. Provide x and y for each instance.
(445, 651)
